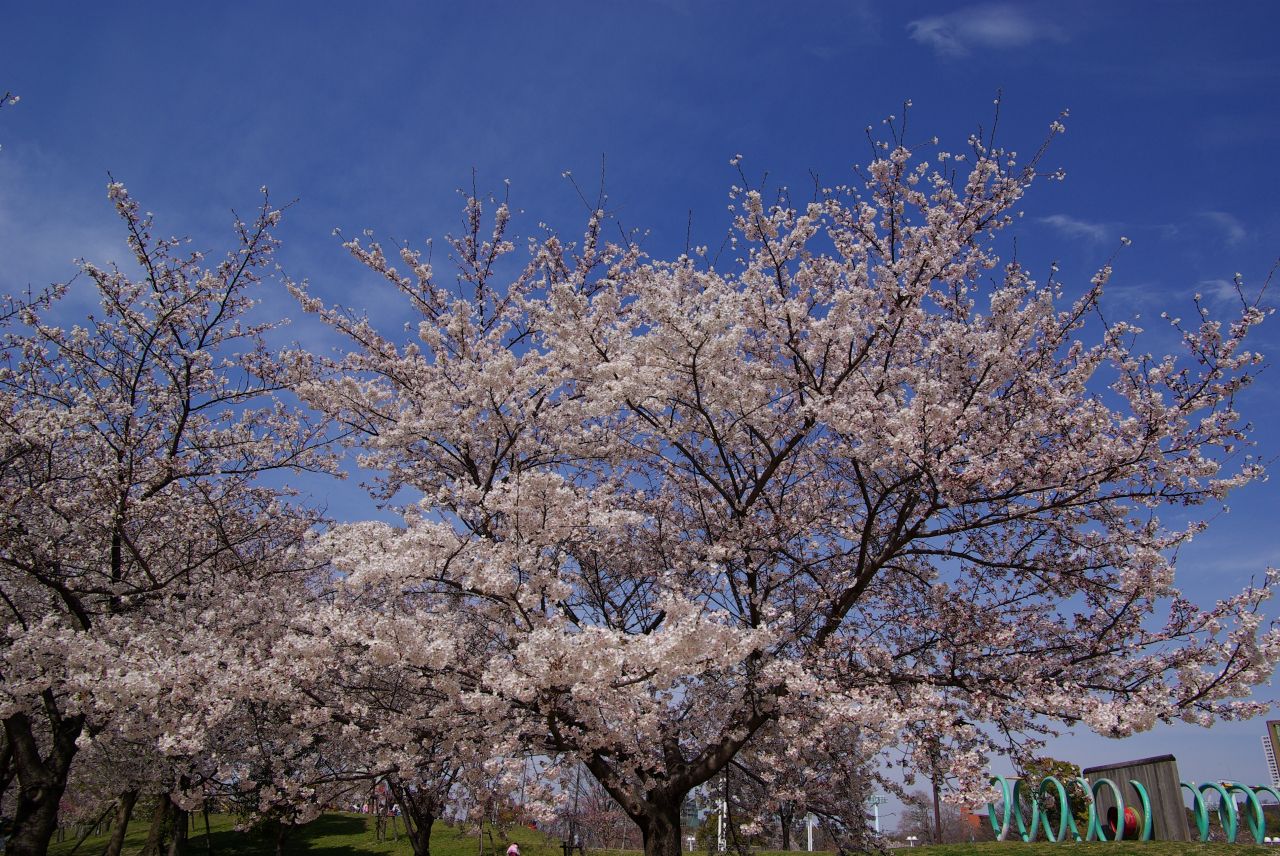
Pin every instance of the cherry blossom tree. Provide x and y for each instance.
(865, 470)
(109, 776)
(269, 766)
(785, 775)
(131, 448)
(366, 678)
(590, 816)
(945, 825)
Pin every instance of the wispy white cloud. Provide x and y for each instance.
(1218, 291)
(1071, 227)
(45, 227)
(1232, 229)
(999, 26)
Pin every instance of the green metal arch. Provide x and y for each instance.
(1146, 833)
(1096, 832)
(1199, 810)
(1064, 811)
(1001, 829)
(1093, 811)
(1255, 819)
(1026, 831)
(1275, 795)
(1226, 810)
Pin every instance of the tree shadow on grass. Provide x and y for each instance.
(324, 836)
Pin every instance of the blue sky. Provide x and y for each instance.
(372, 115)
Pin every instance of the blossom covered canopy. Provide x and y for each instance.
(868, 476)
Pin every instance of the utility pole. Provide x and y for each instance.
(724, 804)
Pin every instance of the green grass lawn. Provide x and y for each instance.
(339, 834)
(1018, 848)
(334, 834)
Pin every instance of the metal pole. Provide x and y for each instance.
(724, 806)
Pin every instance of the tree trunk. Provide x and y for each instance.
(159, 824)
(41, 780)
(282, 832)
(7, 771)
(35, 821)
(181, 827)
(419, 809)
(654, 803)
(124, 811)
(784, 820)
(660, 829)
(208, 836)
(84, 830)
(417, 827)
(937, 814)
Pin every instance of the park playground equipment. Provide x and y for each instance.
(1157, 812)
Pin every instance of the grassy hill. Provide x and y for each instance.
(339, 834)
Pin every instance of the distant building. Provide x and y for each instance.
(1271, 748)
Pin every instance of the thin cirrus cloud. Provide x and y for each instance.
(1232, 229)
(998, 26)
(1219, 290)
(1070, 227)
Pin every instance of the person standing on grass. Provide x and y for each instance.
(513, 850)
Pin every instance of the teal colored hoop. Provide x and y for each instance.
(1010, 789)
(1145, 834)
(1268, 789)
(1226, 810)
(1255, 820)
(1199, 810)
(1026, 831)
(1001, 829)
(1092, 818)
(1275, 795)
(1064, 811)
(1096, 831)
